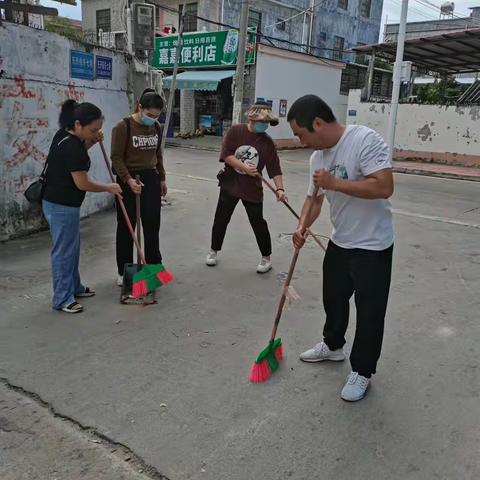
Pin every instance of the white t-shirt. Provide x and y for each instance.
(357, 222)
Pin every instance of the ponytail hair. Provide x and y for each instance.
(85, 113)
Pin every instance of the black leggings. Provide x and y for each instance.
(365, 273)
(151, 203)
(225, 207)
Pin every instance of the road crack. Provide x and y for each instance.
(118, 449)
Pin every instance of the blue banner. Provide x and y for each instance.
(104, 67)
(82, 65)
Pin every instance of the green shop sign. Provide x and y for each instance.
(205, 49)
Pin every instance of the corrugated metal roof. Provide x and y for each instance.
(448, 53)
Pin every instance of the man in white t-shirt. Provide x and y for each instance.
(352, 168)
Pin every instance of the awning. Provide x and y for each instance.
(199, 79)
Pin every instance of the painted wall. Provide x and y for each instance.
(286, 78)
(89, 15)
(35, 82)
(329, 21)
(446, 134)
(348, 24)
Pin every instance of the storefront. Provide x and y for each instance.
(212, 98)
(206, 71)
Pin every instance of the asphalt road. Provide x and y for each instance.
(169, 381)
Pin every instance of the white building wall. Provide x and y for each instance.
(447, 134)
(292, 76)
(35, 82)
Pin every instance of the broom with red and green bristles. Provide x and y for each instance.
(151, 276)
(269, 359)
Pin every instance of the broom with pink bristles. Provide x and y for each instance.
(269, 359)
(151, 276)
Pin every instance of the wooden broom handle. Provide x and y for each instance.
(122, 206)
(138, 214)
(283, 298)
(293, 264)
(295, 214)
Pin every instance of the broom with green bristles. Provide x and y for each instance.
(269, 359)
(152, 276)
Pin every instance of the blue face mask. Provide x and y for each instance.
(260, 127)
(147, 121)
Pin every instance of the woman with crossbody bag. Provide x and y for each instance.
(135, 150)
(66, 182)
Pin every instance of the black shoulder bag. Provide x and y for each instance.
(34, 192)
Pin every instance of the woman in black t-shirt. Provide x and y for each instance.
(66, 183)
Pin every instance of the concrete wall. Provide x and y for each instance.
(206, 9)
(329, 21)
(271, 13)
(89, 15)
(445, 134)
(348, 24)
(34, 84)
(291, 76)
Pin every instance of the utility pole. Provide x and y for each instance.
(310, 31)
(397, 71)
(239, 75)
(171, 95)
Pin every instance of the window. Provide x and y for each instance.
(361, 58)
(338, 44)
(255, 20)
(343, 4)
(365, 6)
(280, 25)
(191, 11)
(103, 20)
(322, 38)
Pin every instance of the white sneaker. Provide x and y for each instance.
(320, 352)
(264, 266)
(211, 260)
(120, 280)
(355, 388)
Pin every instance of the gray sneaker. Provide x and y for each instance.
(211, 260)
(320, 352)
(355, 388)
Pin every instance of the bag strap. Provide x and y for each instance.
(45, 166)
(127, 138)
(159, 132)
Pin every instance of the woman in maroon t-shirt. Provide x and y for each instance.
(243, 146)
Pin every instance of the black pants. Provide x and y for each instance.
(151, 203)
(365, 273)
(225, 207)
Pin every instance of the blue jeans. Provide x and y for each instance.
(65, 231)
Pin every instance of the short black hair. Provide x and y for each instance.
(307, 108)
(151, 100)
(72, 111)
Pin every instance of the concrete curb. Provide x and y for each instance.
(193, 147)
(428, 173)
(215, 149)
